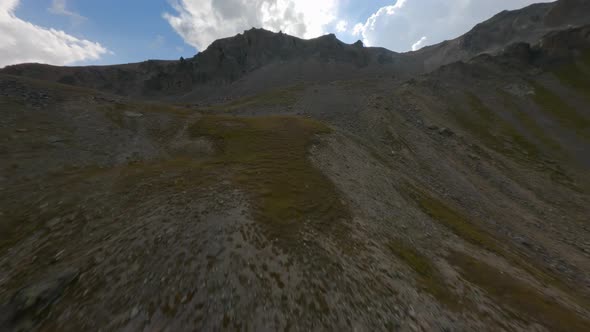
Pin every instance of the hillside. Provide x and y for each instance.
(289, 184)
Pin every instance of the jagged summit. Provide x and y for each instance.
(258, 46)
(225, 61)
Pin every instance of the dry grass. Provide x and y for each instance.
(509, 140)
(561, 111)
(524, 302)
(496, 132)
(267, 156)
(577, 75)
(470, 231)
(429, 278)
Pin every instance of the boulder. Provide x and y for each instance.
(446, 132)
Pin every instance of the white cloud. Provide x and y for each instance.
(417, 45)
(200, 22)
(401, 24)
(59, 7)
(341, 26)
(358, 29)
(22, 41)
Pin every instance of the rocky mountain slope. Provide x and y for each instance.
(455, 199)
(284, 60)
(527, 25)
(226, 61)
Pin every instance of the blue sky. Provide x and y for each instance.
(76, 32)
(133, 30)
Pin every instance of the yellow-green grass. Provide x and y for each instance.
(506, 139)
(268, 157)
(454, 220)
(429, 279)
(528, 122)
(522, 301)
(553, 105)
(495, 132)
(577, 75)
(116, 110)
(556, 150)
(470, 231)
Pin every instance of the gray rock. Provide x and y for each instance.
(134, 312)
(446, 132)
(54, 222)
(522, 241)
(54, 139)
(130, 114)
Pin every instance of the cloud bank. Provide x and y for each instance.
(402, 26)
(409, 24)
(22, 41)
(200, 22)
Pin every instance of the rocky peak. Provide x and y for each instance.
(568, 12)
(255, 48)
(526, 25)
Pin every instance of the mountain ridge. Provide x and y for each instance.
(229, 59)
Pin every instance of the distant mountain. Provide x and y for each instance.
(287, 60)
(224, 61)
(527, 25)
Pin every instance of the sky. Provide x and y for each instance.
(98, 32)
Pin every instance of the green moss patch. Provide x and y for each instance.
(267, 156)
(525, 302)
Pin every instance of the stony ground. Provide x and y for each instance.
(371, 204)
